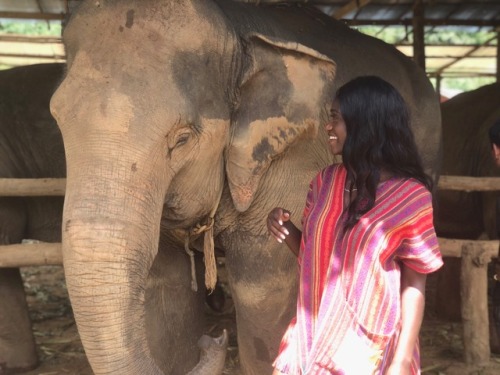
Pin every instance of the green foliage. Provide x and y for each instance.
(391, 35)
(439, 35)
(466, 84)
(31, 28)
(433, 35)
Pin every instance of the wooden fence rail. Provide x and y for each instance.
(56, 186)
(475, 256)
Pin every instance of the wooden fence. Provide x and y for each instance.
(473, 278)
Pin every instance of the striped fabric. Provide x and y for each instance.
(348, 310)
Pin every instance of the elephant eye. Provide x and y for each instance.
(182, 139)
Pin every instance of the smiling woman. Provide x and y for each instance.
(367, 245)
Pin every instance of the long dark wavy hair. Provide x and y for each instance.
(379, 136)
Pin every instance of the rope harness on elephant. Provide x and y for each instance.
(208, 250)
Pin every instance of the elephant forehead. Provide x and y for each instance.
(171, 24)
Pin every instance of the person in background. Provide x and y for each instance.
(494, 136)
(366, 246)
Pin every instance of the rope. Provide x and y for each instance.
(208, 250)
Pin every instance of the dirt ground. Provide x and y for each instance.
(60, 350)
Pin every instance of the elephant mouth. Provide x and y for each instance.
(169, 222)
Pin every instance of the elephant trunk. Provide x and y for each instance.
(213, 355)
(110, 239)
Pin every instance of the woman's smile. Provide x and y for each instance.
(336, 129)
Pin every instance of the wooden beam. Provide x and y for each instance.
(57, 58)
(469, 184)
(35, 254)
(453, 247)
(43, 253)
(428, 22)
(349, 7)
(17, 38)
(19, 187)
(470, 52)
(33, 16)
(30, 187)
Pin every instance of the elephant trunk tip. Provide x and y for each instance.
(213, 354)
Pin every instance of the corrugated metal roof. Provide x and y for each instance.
(470, 60)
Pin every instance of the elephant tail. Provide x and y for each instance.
(213, 355)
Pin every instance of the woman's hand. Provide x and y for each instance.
(283, 230)
(275, 221)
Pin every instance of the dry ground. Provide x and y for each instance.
(61, 352)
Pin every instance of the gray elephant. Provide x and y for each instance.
(184, 123)
(30, 147)
(466, 119)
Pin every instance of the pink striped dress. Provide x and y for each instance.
(349, 306)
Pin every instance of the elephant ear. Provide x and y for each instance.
(282, 94)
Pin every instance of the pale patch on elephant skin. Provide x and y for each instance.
(306, 76)
(265, 139)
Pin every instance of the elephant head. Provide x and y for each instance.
(165, 111)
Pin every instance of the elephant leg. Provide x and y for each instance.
(174, 312)
(264, 288)
(17, 345)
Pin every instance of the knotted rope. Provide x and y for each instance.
(208, 250)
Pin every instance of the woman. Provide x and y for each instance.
(368, 242)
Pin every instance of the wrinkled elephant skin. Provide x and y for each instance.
(30, 147)
(173, 110)
(466, 120)
(467, 152)
(213, 353)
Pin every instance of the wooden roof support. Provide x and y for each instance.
(470, 52)
(349, 7)
(32, 16)
(428, 22)
(418, 33)
(498, 54)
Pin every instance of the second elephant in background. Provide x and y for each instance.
(467, 151)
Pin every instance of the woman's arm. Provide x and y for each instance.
(280, 226)
(412, 313)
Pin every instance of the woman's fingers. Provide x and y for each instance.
(275, 221)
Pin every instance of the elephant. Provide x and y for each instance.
(466, 119)
(184, 122)
(31, 146)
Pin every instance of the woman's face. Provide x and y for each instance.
(336, 129)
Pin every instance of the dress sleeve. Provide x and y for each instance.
(312, 194)
(419, 248)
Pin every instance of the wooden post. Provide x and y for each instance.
(498, 55)
(418, 33)
(473, 290)
(438, 86)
